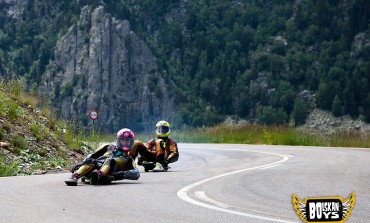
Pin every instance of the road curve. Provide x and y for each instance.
(209, 183)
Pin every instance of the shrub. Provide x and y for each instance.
(6, 127)
(300, 111)
(67, 90)
(19, 142)
(336, 109)
(272, 116)
(35, 129)
(15, 87)
(13, 109)
(8, 169)
(2, 105)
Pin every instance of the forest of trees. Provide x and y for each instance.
(248, 59)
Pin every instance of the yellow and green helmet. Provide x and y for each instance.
(162, 129)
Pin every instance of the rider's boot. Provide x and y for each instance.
(94, 178)
(106, 179)
(120, 175)
(98, 177)
(165, 166)
(158, 167)
(140, 161)
(72, 181)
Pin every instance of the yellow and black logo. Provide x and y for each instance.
(324, 209)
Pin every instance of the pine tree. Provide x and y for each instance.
(336, 108)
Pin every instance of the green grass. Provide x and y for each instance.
(248, 134)
(350, 140)
(13, 110)
(257, 134)
(3, 108)
(15, 87)
(77, 137)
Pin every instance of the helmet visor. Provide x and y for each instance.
(125, 141)
(162, 129)
(125, 144)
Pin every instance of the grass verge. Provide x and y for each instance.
(269, 135)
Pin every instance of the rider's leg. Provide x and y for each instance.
(113, 165)
(107, 167)
(105, 174)
(146, 155)
(84, 169)
(160, 155)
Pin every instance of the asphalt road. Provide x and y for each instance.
(210, 183)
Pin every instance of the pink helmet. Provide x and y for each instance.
(125, 139)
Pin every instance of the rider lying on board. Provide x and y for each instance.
(112, 161)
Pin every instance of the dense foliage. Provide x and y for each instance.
(251, 59)
(27, 40)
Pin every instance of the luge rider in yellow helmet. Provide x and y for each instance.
(161, 150)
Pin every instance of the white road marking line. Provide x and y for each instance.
(263, 168)
(182, 193)
(202, 195)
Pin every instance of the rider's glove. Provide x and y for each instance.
(165, 163)
(120, 175)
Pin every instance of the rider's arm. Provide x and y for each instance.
(151, 144)
(91, 157)
(138, 147)
(100, 151)
(173, 152)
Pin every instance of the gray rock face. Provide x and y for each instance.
(14, 8)
(309, 98)
(102, 64)
(361, 41)
(324, 123)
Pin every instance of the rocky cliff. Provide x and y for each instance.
(14, 8)
(102, 64)
(323, 123)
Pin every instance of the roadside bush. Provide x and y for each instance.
(19, 142)
(272, 116)
(300, 111)
(8, 169)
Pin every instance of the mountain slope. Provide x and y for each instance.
(266, 61)
(32, 141)
(101, 64)
(255, 59)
